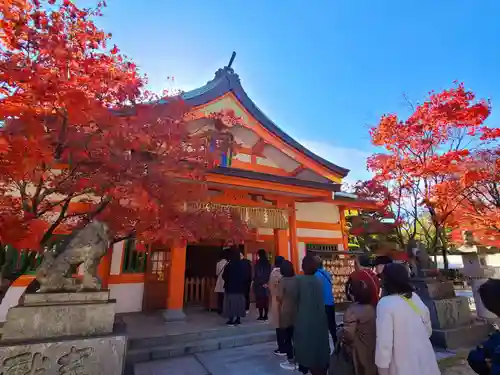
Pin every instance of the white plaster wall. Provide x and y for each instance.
(243, 157)
(266, 162)
(493, 260)
(318, 233)
(244, 136)
(319, 212)
(301, 247)
(128, 297)
(116, 258)
(282, 160)
(10, 299)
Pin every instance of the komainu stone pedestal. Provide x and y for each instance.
(62, 334)
(452, 322)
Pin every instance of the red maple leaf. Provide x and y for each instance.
(79, 142)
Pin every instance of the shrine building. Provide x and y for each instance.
(288, 196)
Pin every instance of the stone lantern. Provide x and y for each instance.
(477, 269)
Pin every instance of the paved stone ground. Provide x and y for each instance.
(249, 360)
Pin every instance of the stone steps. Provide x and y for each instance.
(177, 345)
(205, 334)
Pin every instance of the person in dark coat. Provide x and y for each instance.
(311, 335)
(248, 277)
(235, 286)
(485, 358)
(262, 271)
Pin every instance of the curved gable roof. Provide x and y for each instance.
(226, 80)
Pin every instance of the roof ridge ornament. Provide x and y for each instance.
(231, 60)
(227, 70)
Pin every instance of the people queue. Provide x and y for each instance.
(386, 329)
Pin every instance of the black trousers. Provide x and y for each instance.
(332, 323)
(220, 303)
(285, 341)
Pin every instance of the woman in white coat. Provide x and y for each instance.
(403, 328)
(219, 285)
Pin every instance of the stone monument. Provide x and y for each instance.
(67, 327)
(452, 322)
(476, 268)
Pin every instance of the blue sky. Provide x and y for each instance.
(322, 70)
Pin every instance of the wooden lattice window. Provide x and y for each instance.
(134, 261)
(22, 261)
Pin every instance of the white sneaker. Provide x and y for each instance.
(290, 366)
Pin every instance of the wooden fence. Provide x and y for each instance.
(198, 290)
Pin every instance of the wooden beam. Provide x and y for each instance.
(258, 148)
(297, 170)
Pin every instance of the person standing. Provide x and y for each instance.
(235, 280)
(310, 335)
(358, 334)
(364, 272)
(485, 358)
(219, 284)
(247, 269)
(262, 272)
(403, 345)
(274, 280)
(325, 278)
(380, 263)
(287, 312)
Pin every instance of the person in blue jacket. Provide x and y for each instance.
(485, 359)
(325, 278)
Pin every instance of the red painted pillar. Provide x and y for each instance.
(294, 250)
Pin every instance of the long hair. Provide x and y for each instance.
(396, 280)
(262, 257)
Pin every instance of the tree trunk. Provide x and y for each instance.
(444, 251)
(444, 246)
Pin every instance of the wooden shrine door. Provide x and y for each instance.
(156, 280)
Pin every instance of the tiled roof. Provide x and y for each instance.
(242, 173)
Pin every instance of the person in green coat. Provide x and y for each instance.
(312, 346)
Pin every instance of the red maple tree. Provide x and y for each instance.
(81, 139)
(481, 210)
(427, 151)
(387, 219)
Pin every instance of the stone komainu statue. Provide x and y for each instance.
(85, 247)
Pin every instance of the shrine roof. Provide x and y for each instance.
(225, 81)
(243, 173)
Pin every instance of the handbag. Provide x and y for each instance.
(341, 361)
